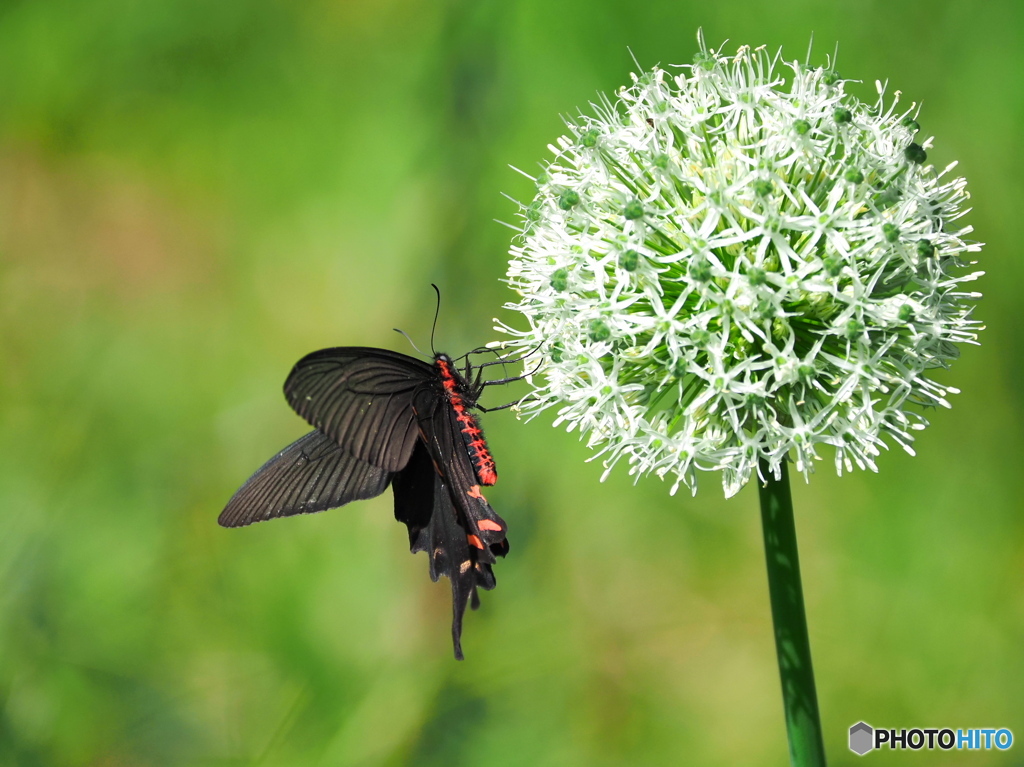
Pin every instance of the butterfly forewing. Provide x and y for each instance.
(311, 474)
(361, 398)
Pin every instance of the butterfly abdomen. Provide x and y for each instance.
(472, 435)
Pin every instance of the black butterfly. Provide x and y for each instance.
(385, 418)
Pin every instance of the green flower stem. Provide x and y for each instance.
(793, 648)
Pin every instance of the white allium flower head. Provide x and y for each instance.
(724, 265)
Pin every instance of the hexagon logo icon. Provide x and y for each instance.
(861, 738)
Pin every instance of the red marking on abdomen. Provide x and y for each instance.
(483, 463)
(472, 435)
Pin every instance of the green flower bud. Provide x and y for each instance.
(915, 153)
(700, 338)
(765, 309)
(700, 270)
(560, 279)
(704, 60)
(634, 209)
(854, 176)
(568, 199)
(599, 331)
(589, 137)
(833, 265)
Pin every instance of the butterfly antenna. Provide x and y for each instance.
(407, 338)
(437, 311)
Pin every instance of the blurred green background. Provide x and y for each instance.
(195, 194)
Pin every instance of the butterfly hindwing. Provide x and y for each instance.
(361, 398)
(311, 474)
(413, 488)
(424, 502)
(441, 433)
